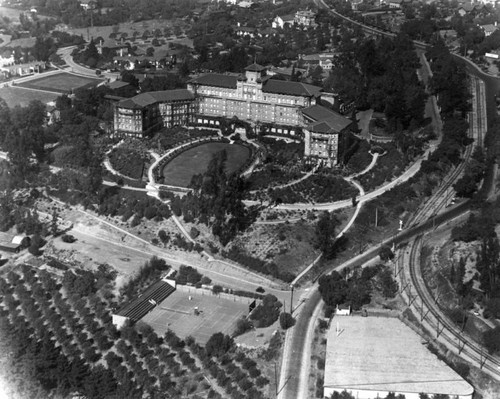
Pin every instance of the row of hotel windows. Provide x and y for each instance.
(246, 94)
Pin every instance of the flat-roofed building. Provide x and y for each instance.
(372, 356)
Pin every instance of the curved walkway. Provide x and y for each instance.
(152, 184)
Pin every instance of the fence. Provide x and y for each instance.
(208, 292)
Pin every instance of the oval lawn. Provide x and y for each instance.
(179, 171)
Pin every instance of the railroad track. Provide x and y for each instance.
(477, 124)
(430, 314)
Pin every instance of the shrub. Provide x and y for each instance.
(386, 253)
(242, 326)
(68, 238)
(194, 233)
(217, 289)
(219, 344)
(286, 320)
(267, 312)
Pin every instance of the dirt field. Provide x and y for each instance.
(177, 314)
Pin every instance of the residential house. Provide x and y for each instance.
(395, 3)
(88, 4)
(245, 4)
(13, 242)
(489, 28)
(305, 18)
(6, 58)
(281, 21)
(23, 69)
(131, 62)
(324, 60)
(118, 46)
(243, 31)
(53, 114)
(470, 8)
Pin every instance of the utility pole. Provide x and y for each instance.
(291, 300)
(276, 379)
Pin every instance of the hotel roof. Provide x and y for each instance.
(325, 120)
(291, 88)
(152, 97)
(383, 354)
(217, 80)
(255, 68)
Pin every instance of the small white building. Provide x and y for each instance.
(343, 310)
(281, 20)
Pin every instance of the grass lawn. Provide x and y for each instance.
(181, 169)
(60, 82)
(18, 96)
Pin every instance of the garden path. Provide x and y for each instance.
(307, 175)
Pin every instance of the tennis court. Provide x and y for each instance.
(177, 313)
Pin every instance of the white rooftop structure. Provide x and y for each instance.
(371, 356)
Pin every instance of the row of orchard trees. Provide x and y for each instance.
(60, 342)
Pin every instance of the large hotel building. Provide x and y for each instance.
(253, 97)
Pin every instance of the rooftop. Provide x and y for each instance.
(144, 99)
(291, 88)
(255, 68)
(117, 84)
(217, 80)
(143, 304)
(383, 354)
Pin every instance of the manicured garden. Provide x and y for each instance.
(389, 166)
(170, 138)
(282, 164)
(180, 170)
(128, 161)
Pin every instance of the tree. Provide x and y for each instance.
(333, 289)
(219, 344)
(325, 234)
(286, 320)
(386, 253)
(242, 326)
(389, 285)
(217, 289)
(164, 237)
(53, 225)
(5, 121)
(342, 395)
(317, 76)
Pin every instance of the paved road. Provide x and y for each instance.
(65, 54)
